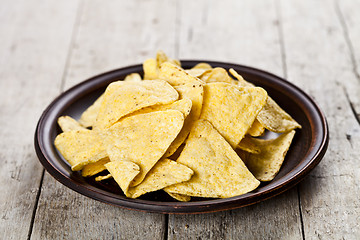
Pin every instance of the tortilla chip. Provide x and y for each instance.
(232, 109)
(179, 197)
(150, 69)
(161, 58)
(122, 98)
(241, 81)
(275, 119)
(67, 124)
(143, 138)
(218, 170)
(88, 118)
(123, 173)
(80, 147)
(247, 144)
(94, 168)
(256, 129)
(272, 116)
(267, 163)
(133, 77)
(165, 173)
(217, 75)
(101, 178)
(176, 76)
(202, 66)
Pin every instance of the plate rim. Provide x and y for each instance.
(212, 205)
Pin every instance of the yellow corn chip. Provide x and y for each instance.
(179, 197)
(176, 76)
(123, 173)
(151, 70)
(217, 75)
(202, 66)
(232, 109)
(101, 178)
(272, 116)
(80, 147)
(267, 163)
(67, 124)
(165, 173)
(256, 129)
(275, 119)
(161, 58)
(88, 118)
(218, 170)
(133, 77)
(122, 98)
(247, 144)
(143, 138)
(241, 81)
(94, 168)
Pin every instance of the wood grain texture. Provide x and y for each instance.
(319, 61)
(32, 56)
(111, 35)
(229, 29)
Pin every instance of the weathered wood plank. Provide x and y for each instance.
(244, 32)
(33, 50)
(319, 61)
(111, 35)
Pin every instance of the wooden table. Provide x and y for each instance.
(48, 46)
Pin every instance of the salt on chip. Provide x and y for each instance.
(67, 124)
(143, 138)
(267, 163)
(122, 98)
(123, 173)
(218, 170)
(94, 168)
(133, 77)
(80, 147)
(272, 116)
(179, 197)
(165, 173)
(88, 117)
(249, 145)
(275, 119)
(232, 109)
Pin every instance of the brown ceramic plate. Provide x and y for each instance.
(306, 151)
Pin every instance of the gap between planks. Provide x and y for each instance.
(284, 65)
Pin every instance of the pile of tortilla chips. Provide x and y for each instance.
(177, 130)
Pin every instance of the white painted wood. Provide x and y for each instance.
(34, 38)
(111, 35)
(319, 61)
(243, 32)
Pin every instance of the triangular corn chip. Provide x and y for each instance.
(232, 109)
(133, 77)
(80, 147)
(123, 173)
(249, 145)
(218, 170)
(94, 168)
(256, 129)
(165, 173)
(202, 66)
(88, 118)
(176, 75)
(151, 66)
(122, 98)
(267, 163)
(272, 116)
(275, 119)
(101, 178)
(143, 138)
(67, 124)
(217, 75)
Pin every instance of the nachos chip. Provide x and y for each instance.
(267, 163)
(133, 77)
(143, 139)
(67, 124)
(218, 170)
(232, 109)
(123, 172)
(94, 168)
(88, 118)
(122, 98)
